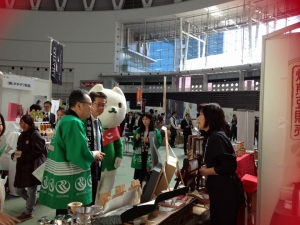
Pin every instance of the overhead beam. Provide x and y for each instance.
(9, 4)
(90, 7)
(117, 6)
(147, 4)
(36, 5)
(62, 6)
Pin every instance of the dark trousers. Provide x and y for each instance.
(185, 140)
(233, 133)
(172, 140)
(96, 176)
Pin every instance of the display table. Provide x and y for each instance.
(283, 216)
(177, 217)
(246, 165)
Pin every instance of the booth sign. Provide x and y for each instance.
(295, 128)
(19, 83)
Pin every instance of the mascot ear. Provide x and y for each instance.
(97, 88)
(118, 90)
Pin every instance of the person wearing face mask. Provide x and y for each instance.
(33, 154)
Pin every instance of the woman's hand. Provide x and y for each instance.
(146, 140)
(137, 136)
(12, 156)
(204, 171)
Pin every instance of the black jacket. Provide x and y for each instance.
(184, 124)
(34, 154)
(130, 126)
(51, 118)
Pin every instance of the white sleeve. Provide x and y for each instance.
(172, 123)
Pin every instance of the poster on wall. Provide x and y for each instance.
(40, 100)
(56, 62)
(173, 105)
(190, 108)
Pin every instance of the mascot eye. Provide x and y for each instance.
(120, 105)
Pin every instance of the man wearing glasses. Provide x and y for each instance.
(67, 175)
(94, 133)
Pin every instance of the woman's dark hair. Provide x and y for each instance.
(173, 113)
(200, 106)
(3, 124)
(214, 117)
(62, 110)
(28, 120)
(151, 125)
(38, 108)
(32, 107)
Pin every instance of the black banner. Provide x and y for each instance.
(56, 62)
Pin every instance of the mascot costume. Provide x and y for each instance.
(111, 118)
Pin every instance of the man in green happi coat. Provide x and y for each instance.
(67, 175)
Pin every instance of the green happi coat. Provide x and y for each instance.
(136, 161)
(67, 175)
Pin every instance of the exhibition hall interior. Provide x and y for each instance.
(158, 111)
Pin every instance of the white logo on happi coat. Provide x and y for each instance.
(62, 186)
(80, 184)
(51, 185)
(89, 181)
(45, 182)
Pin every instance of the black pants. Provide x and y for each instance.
(96, 176)
(185, 140)
(233, 133)
(172, 140)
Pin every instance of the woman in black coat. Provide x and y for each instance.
(223, 185)
(34, 154)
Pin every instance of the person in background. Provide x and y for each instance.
(69, 158)
(160, 119)
(122, 125)
(141, 159)
(138, 121)
(33, 154)
(223, 185)
(33, 108)
(233, 132)
(173, 129)
(187, 126)
(60, 113)
(94, 133)
(4, 218)
(130, 122)
(48, 116)
(256, 129)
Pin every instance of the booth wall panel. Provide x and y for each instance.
(279, 155)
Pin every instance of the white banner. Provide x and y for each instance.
(19, 83)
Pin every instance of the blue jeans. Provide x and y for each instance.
(30, 196)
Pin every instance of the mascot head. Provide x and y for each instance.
(116, 108)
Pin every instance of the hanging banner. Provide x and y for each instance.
(295, 121)
(90, 84)
(20, 83)
(139, 96)
(56, 62)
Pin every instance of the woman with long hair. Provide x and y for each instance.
(223, 185)
(33, 154)
(141, 159)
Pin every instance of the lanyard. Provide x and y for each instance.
(205, 149)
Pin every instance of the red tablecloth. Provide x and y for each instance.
(283, 216)
(246, 165)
